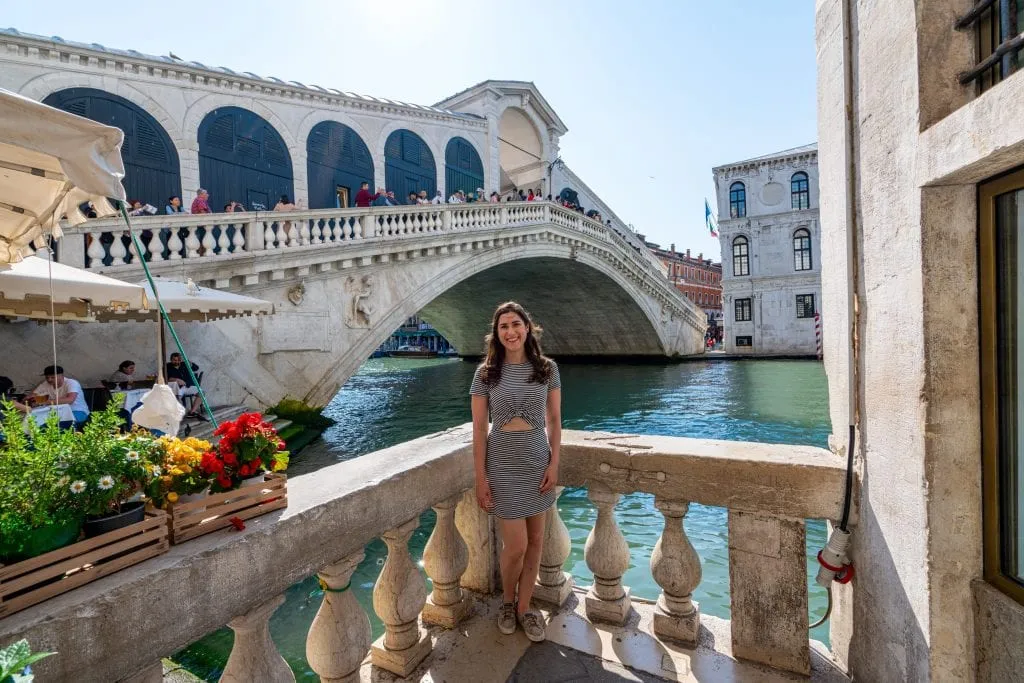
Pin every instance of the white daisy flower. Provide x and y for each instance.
(106, 482)
(77, 486)
(133, 456)
(157, 471)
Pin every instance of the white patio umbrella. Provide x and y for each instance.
(50, 163)
(26, 288)
(188, 302)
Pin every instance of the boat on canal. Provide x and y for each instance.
(411, 351)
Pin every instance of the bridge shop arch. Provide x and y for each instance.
(337, 161)
(408, 165)
(152, 171)
(520, 151)
(243, 158)
(463, 168)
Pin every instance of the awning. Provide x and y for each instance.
(50, 163)
(188, 302)
(77, 294)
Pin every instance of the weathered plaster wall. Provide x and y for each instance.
(998, 623)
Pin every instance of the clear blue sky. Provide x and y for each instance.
(654, 95)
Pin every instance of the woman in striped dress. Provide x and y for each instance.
(516, 461)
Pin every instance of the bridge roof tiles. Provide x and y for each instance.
(135, 54)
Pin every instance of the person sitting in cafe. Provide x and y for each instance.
(7, 392)
(179, 378)
(125, 375)
(57, 389)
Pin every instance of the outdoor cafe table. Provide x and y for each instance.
(64, 413)
(132, 397)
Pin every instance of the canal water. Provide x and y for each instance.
(394, 400)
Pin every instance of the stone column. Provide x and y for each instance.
(340, 635)
(445, 558)
(398, 599)
(768, 590)
(254, 657)
(71, 250)
(554, 585)
(607, 556)
(478, 531)
(676, 567)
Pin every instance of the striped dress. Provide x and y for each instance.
(516, 461)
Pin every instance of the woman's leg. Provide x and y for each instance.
(513, 549)
(531, 559)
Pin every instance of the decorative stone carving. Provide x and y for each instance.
(340, 635)
(675, 566)
(361, 309)
(445, 558)
(607, 556)
(398, 599)
(297, 293)
(554, 586)
(254, 657)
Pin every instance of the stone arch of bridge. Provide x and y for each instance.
(521, 150)
(602, 312)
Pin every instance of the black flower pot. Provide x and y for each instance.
(130, 514)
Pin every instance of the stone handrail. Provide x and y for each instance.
(103, 245)
(107, 630)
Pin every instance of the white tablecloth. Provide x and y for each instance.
(64, 413)
(132, 397)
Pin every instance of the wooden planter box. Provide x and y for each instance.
(205, 515)
(34, 580)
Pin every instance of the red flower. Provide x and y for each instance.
(273, 464)
(243, 470)
(229, 458)
(224, 481)
(211, 464)
(237, 523)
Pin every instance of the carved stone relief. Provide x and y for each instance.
(361, 309)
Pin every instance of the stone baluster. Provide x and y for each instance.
(254, 657)
(607, 556)
(291, 233)
(133, 251)
(364, 227)
(554, 586)
(269, 236)
(445, 558)
(675, 566)
(117, 251)
(174, 245)
(304, 235)
(223, 243)
(192, 243)
(398, 598)
(238, 240)
(340, 635)
(209, 242)
(316, 235)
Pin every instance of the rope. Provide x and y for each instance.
(140, 253)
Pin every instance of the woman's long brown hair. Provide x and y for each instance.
(496, 352)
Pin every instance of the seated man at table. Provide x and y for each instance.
(58, 389)
(178, 376)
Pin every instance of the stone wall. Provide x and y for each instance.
(906, 249)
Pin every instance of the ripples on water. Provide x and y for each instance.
(393, 400)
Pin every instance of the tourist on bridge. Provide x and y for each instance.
(363, 197)
(516, 460)
(384, 198)
(422, 198)
(174, 205)
(201, 203)
(438, 198)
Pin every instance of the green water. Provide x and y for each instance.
(394, 400)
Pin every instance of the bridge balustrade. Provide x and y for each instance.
(106, 630)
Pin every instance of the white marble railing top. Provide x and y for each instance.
(107, 629)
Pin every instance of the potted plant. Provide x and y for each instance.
(248, 447)
(16, 662)
(176, 473)
(37, 510)
(107, 469)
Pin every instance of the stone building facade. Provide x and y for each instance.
(698, 278)
(771, 245)
(921, 193)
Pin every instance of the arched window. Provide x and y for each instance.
(740, 256)
(462, 167)
(408, 165)
(801, 250)
(737, 200)
(800, 191)
(337, 162)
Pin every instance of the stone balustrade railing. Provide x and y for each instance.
(206, 239)
(108, 630)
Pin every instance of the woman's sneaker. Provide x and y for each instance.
(507, 618)
(533, 625)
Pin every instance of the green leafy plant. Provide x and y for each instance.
(16, 661)
(105, 467)
(302, 413)
(35, 493)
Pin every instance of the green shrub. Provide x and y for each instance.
(16, 662)
(302, 413)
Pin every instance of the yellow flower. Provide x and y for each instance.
(185, 469)
(172, 497)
